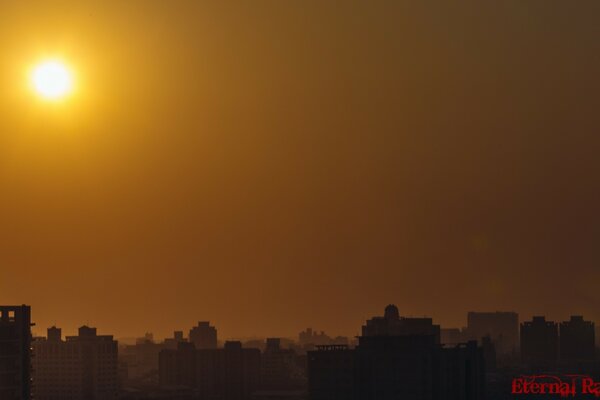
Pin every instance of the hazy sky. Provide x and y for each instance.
(274, 165)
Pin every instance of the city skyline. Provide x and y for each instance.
(496, 355)
(40, 331)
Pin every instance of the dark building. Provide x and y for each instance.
(204, 336)
(501, 327)
(397, 358)
(171, 343)
(308, 339)
(451, 336)
(539, 342)
(577, 340)
(178, 367)
(141, 360)
(391, 324)
(461, 373)
(83, 367)
(231, 373)
(281, 369)
(489, 354)
(15, 352)
(331, 373)
(397, 367)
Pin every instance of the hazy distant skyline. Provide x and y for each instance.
(271, 166)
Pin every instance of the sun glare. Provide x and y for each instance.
(52, 80)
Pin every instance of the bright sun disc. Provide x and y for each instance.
(52, 80)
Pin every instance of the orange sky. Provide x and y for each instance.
(271, 165)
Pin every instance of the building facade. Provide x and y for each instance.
(83, 367)
(539, 342)
(577, 340)
(397, 367)
(15, 352)
(230, 373)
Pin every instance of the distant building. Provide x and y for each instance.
(15, 352)
(331, 373)
(171, 343)
(231, 373)
(397, 358)
(539, 342)
(577, 340)
(281, 369)
(308, 339)
(397, 367)
(83, 367)
(141, 359)
(451, 336)
(391, 324)
(489, 353)
(204, 336)
(501, 327)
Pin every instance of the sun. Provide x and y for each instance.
(52, 80)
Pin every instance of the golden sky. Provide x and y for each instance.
(273, 165)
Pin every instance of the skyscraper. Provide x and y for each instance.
(15, 352)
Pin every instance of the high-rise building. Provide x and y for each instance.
(539, 342)
(397, 367)
(15, 352)
(83, 367)
(392, 324)
(397, 358)
(230, 373)
(331, 373)
(204, 336)
(577, 340)
(501, 327)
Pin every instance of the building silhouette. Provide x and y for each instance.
(281, 369)
(539, 342)
(83, 367)
(397, 358)
(451, 336)
(489, 353)
(396, 367)
(230, 373)
(501, 327)
(15, 352)
(204, 336)
(392, 324)
(171, 343)
(577, 340)
(141, 359)
(331, 373)
(308, 339)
